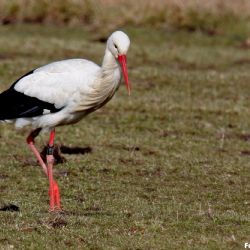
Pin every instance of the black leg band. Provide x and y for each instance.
(50, 150)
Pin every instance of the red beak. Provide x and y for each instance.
(123, 62)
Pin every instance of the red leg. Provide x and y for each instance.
(53, 187)
(31, 143)
(54, 191)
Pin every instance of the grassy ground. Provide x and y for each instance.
(169, 167)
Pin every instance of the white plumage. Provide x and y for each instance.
(58, 81)
(66, 84)
(76, 86)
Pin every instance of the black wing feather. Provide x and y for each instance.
(14, 104)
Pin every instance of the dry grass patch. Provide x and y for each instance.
(210, 16)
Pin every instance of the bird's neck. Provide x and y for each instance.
(109, 62)
(111, 72)
(105, 85)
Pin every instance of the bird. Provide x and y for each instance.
(62, 93)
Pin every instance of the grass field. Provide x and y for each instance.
(169, 166)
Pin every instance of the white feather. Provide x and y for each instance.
(60, 82)
(76, 86)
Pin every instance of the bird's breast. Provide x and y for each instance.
(102, 90)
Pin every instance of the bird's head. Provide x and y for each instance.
(118, 44)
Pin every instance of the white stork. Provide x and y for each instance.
(62, 93)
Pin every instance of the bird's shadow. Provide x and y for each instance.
(10, 208)
(62, 149)
(75, 150)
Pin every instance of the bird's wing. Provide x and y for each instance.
(58, 82)
(48, 88)
(14, 104)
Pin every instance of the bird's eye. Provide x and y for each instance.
(115, 46)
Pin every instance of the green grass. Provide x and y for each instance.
(170, 164)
